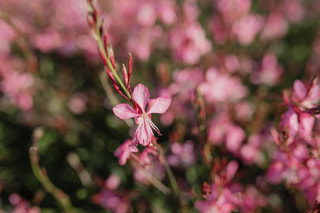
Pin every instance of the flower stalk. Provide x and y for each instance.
(107, 55)
(61, 197)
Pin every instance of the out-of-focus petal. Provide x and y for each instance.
(124, 111)
(314, 93)
(159, 105)
(299, 91)
(141, 96)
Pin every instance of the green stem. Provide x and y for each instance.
(154, 181)
(173, 181)
(110, 95)
(115, 74)
(62, 198)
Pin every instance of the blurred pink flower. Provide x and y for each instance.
(21, 205)
(222, 129)
(222, 87)
(189, 43)
(231, 63)
(294, 10)
(146, 15)
(141, 98)
(48, 41)
(151, 167)
(113, 182)
(182, 154)
(219, 30)
(270, 71)
(306, 123)
(167, 13)
(247, 28)
(221, 198)
(77, 103)
(234, 138)
(290, 125)
(124, 150)
(6, 36)
(306, 97)
(233, 9)
(275, 27)
(16, 85)
(111, 201)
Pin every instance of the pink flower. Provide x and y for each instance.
(141, 98)
(247, 28)
(123, 152)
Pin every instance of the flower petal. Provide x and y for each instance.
(299, 91)
(124, 111)
(141, 96)
(144, 133)
(159, 105)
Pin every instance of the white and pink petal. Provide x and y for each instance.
(141, 96)
(144, 133)
(125, 111)
(159, 105)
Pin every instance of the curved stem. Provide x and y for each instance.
(103, 50)
(173, 181)
(61, 197)
(154, 181)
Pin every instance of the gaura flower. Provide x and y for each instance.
(141, 98)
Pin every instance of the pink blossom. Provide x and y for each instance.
(221, 198)
(219, 31)
(146, 15)
(141, 98)
(182, 154)
(77, 103)
(113, 182)
(112, 201)
(290, 125)
(306, 97)
(21, 205)
(276, 27)
(48, 40)
(294, 10)
(221, 87)
(123, 151)
(151, 167)
(6, 35)
(189, 43)
(247, 28)
(223, 130)
(233, 9)
(270, 71)
(306, 122)
(231, 63)
(167, 13)
(234, 138)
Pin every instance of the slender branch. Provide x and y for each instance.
(173, 181)
(61, 197)
(111, 96)
(154, 181)
(109, 64)
(96, 25)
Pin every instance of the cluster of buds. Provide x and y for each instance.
(107, 54)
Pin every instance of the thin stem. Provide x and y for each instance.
(110, 95)
(173, 181)
(61, 197)
(154, 181)
(109, 64)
